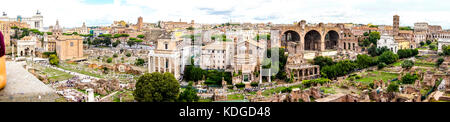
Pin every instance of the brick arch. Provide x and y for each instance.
(331, 39)
(291, 40)
(312, 40)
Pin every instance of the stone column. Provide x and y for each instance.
(303, 73)
(175, 73)
(260, 74)
(154, 63)
(170, 65)
(159, 64)
(165, 64)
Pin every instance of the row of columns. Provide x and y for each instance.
(163, 64)
(306, 73)
(349, 46)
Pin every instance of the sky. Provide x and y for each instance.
(72, 13)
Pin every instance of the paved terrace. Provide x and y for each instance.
(22, 86)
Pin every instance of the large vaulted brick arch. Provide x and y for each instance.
(312, 40)
(331, 39)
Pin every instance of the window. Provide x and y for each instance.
(166, 46)
(71, 44)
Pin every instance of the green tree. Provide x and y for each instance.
(446, 50)
(428, 42)
(131, 43)
(374, 37)
(365, 61)
(366, 34)
(109, 60)
(141, 36)
(381, 65)
(193, 73)
(409, 79)
(432, 47)
(422, 43)
(372, 51)
(115, 44)
(439, 62)
(53, 59)
(156, 87)
(388, 57)
(366, 42)
(139, 41)
(323, 61)
(393, 87)
(139, 62)
(128, 54)
(188, 95)
(117, 35)
(407, 64)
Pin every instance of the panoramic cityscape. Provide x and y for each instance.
(223, 55)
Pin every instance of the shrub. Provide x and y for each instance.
(428, 42)
(54, 60)
(286, 90)
(393, 87)
(323, 61)
(254, 84)
(439, 62)
(407, 64)
(409, 79)
(240, 85)
(309, 83)
(381, 65)
(388, 57)
(109, 60)
(432, 47)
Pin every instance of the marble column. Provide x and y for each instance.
(170, 65)
(260, 74)
(175, 73)
(159, 64)
(154, 63)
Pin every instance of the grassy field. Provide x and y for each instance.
(417, 63)
(127, 96)
(398, 63)
(235, 97)
(424, 63)
(277, 90)
(377, 75)
(69, 68)
(327, 90)
(56, 75)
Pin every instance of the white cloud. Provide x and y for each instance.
(74, 12)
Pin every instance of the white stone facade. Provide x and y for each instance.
(389, 42)
(35, 22)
